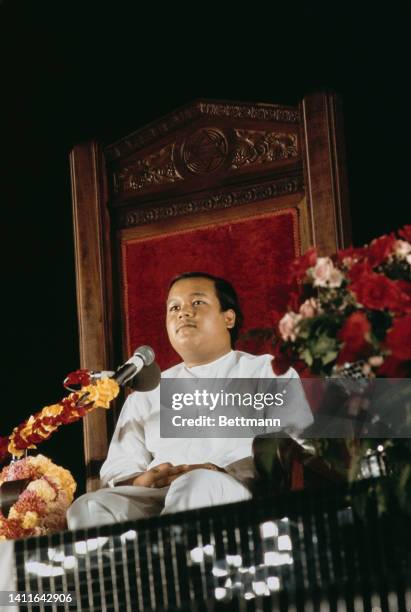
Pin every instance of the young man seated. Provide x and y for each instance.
(144, 474)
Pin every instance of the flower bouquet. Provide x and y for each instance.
(349, 315)
(349, 308)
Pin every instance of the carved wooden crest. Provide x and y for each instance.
(202, 146)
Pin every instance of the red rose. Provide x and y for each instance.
(359, 270)
(354, 336)
(399, 338)
(380, 249)
(405, 232)
(395, 368)
(79, 377)
(294, 301)
(377, 292)
(282, 360)
(405, 287)
(350, 255)
(299, 266)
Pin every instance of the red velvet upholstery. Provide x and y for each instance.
(253, 254)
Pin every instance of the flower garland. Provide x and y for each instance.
(43, 424)
(41, 507)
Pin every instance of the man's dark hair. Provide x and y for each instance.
(226, 296)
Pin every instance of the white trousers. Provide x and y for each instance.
(196, 489)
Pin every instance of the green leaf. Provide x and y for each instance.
(323, 346)
(329, 357)
(306, 355)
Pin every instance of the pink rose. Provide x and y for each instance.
(325, 274)
(309, 308)
(402, 249)
(287, 326)
(376, 361)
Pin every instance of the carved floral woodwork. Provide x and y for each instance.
(205, 151)
(144, 215)
(254, 147)
(156, 169)
(197, 110)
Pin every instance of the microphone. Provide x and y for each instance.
(142, 360)
(143, 356)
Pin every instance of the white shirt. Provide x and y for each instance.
(137, 446)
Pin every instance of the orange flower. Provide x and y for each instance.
(102, 392)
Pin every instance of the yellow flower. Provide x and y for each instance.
(43, 489)
(40, 462)
(30, 520)
(63, 479)
(59, 475)
(13, 450)
(28, 428)
(51, 411)
(13, 514)
(102, 392)
(17, 452)
(44, 430)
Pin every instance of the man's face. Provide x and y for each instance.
(197, 327)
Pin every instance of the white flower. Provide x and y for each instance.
(309, 308)
(402, 249)
(325, 274)
(376, 360)
(336, 278)
(288, 325)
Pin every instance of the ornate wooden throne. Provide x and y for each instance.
(234, 189)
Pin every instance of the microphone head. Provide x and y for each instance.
(147, 379)
(145, 353)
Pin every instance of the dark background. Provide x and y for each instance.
(76, 71)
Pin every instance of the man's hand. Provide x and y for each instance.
(162, 475)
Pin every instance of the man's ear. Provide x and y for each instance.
(229, 317)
